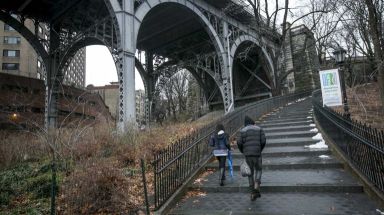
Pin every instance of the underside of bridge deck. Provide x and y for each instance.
(203, 37)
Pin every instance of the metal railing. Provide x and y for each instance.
(362, 145)
(174, 165)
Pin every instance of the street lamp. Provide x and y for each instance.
(339, 55)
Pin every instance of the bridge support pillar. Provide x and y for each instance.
(53, 81)
(150, 86)
(229, 103)
(126, 66)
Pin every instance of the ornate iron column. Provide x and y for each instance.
(53, 79)
(126, 65)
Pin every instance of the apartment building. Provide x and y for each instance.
(19, 58)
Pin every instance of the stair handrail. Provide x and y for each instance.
(175, 164)
(360, 144)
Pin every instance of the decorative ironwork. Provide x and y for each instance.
(174, 165)
(362, 145)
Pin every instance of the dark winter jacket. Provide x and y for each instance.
(251, 140)
(220, 141)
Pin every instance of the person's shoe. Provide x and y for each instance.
(253, 196)
(222, 183)
(257, 194)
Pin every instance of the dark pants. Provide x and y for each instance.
(222, 160)
(255, 164)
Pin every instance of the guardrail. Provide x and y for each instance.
(174, 165)
(362, 145)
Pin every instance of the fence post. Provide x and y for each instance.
(145, 186)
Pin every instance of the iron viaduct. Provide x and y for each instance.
(233, 62)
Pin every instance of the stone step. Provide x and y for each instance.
(303, 180)
(290, 119)
(300, 141)
(286, 151)
(289, 128)
(288, 162)
(288, 115)
(289, 134)
(288, 123)
(282, 179)
(200, 203)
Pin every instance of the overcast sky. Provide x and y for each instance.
(101, 69)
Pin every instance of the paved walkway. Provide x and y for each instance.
(295, 180)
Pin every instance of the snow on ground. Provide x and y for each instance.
(302, 99)
(312, 125)
(324, 156)
(314, 130)
(318, 136)
(309, 117)
(319, 145)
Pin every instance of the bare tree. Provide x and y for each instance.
(375, 23)
(362, 32)
(273, 14)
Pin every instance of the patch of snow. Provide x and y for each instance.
(309, 121)
(379, 212)
(324, 156)
(314, 130)
(289, 103)
(309, 117)
(302, 99)
(319, 145)
(318, 136)
(312, 125)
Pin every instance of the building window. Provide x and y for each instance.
(38, 64)
(11, 53)
(11, 40)
(40, 29)
(10, 66)
(8, 28)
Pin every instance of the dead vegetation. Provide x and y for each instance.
(365, 105)
(99, 171)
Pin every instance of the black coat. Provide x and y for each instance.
(251, 140)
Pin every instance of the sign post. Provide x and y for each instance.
(330, 87)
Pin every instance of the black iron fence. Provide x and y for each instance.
(361, 144)
(174, 165)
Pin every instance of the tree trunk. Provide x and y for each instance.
(373, 22)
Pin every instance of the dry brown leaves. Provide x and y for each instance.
(365, 105)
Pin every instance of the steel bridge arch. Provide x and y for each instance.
(27, 34)
(145, 8)
(92, 40)
(246, 38)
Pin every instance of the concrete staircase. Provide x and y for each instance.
(295, 179)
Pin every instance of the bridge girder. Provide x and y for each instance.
(117, 24)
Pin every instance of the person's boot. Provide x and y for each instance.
(257, 189)
(250, 182)
(222, 172)
(253, 195)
